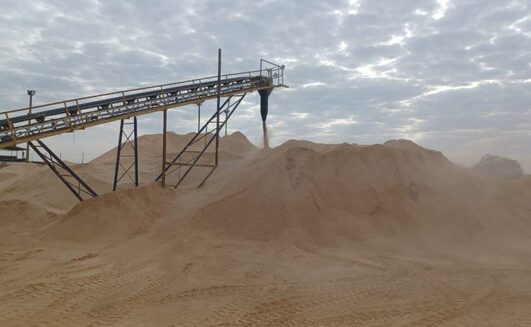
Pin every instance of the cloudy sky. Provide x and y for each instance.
(452, 75)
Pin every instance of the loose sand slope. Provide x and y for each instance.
(303, 234)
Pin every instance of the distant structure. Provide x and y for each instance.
(499, 167)
(12, 154)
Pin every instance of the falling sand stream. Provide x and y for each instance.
(266, 137)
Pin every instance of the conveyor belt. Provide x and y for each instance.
(19, 126)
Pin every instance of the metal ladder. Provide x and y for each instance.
(189, 157)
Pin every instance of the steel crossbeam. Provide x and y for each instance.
(72, 181)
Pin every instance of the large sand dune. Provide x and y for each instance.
(303, 234)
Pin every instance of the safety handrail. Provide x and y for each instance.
(161, 86)
(21, 125)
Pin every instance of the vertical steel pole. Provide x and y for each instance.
(198, 117)
(218, 107)
(31, 102)
(164, 124)
(136, 152)
(118, 153)
(226, 123)
(31, 93)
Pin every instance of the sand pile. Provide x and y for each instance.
(302, 191)
(324, 194)
(112, 216)
(232, 147)
(303, 234)
(37, 185)
(31, 196)
(150, 147)
(19, 219)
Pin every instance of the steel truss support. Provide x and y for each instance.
(130, 169)
(164, 128)
(74, 183)
(190, 155)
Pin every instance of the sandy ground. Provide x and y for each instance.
(300, 235)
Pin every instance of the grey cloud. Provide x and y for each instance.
(360, 71)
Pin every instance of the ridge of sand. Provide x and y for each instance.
(20, 218)
(150, 146)
(111, 216)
